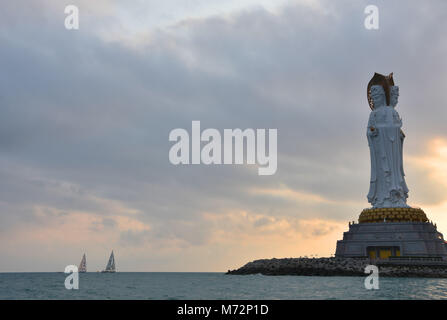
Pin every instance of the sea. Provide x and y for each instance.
(204, 286)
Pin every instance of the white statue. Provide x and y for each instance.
(385, 139)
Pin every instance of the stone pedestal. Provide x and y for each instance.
(391, 229)
(388, 240)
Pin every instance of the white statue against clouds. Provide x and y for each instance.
(385, 138)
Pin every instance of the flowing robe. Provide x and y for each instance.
(385, 139)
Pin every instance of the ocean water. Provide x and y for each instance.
(197, 286)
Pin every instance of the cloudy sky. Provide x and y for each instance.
(85, 117)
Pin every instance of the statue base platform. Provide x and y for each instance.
(397, 241)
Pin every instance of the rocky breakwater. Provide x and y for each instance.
(336, 267)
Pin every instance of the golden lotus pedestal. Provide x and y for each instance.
(392, 215)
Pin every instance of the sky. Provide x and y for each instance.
(85, 117)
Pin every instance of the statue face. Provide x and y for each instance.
(378, 96)
(394, 98)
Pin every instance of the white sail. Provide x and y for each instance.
(83, 265)
(111, 264)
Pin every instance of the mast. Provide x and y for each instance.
(111, 264)
(83, 265)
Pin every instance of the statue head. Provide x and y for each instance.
(394, 96)
(385, 81)
(378, 97)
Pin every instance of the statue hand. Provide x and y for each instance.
(372, 131)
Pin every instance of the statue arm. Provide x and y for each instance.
(402, 137)
(372, 130)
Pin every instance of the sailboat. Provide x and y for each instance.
(110, 268)
(83, 265)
